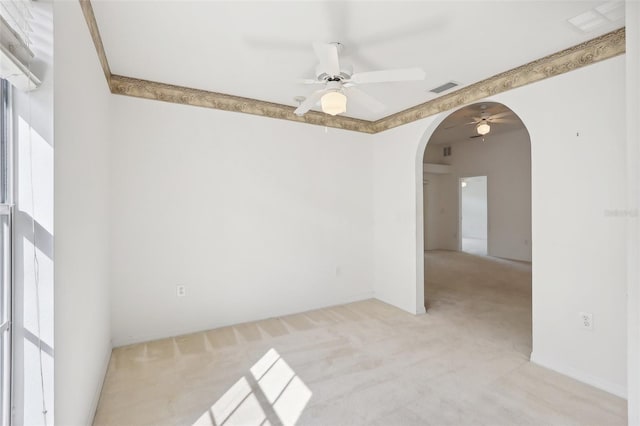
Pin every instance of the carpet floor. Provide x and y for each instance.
(463, 363)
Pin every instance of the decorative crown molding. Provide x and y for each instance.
(201, 98)
(90, 17)
(592, 51)
(598, 49)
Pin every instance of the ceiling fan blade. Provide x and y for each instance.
(500, 115)
(364, 99)
(327, 54)
(502, 121)
(310, 102)
(453, 126)
(400, 74)
(476, 136)
(310, 81)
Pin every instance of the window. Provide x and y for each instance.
(5, 253)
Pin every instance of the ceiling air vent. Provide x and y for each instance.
(444, 87)
(592, 19)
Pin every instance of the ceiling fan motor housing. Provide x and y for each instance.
(346, 71)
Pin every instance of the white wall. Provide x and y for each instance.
(440, 210)
(633, 208)
(506, 161)
(256, 217)
(579, 256)
(395, 210)
(433, 228)
(33, 337)
(579, 261)
(82, 126)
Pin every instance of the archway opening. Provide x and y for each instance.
(477, 222)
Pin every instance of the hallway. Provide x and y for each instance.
(489, 296)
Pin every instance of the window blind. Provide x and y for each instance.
(17, 14)
(15, 44)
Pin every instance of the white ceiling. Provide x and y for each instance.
(261, 49)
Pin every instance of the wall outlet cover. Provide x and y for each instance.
(586, 320)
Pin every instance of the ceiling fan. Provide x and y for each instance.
(484, 121)
(339, 82)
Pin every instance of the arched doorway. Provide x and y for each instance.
(476, 208)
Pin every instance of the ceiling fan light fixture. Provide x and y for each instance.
(334, 103)
(483, 128)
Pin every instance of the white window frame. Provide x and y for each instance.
(6, 253)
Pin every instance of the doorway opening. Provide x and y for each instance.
(473, 215)
(477, 223)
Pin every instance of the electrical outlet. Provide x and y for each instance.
(181, 291)
(586, 320)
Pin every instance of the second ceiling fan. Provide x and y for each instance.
(339, 82)
(483, 118)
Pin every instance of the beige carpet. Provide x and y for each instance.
(463, 363)
(490, 296)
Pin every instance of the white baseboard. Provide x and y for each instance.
(98, 391)
(579, 375)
